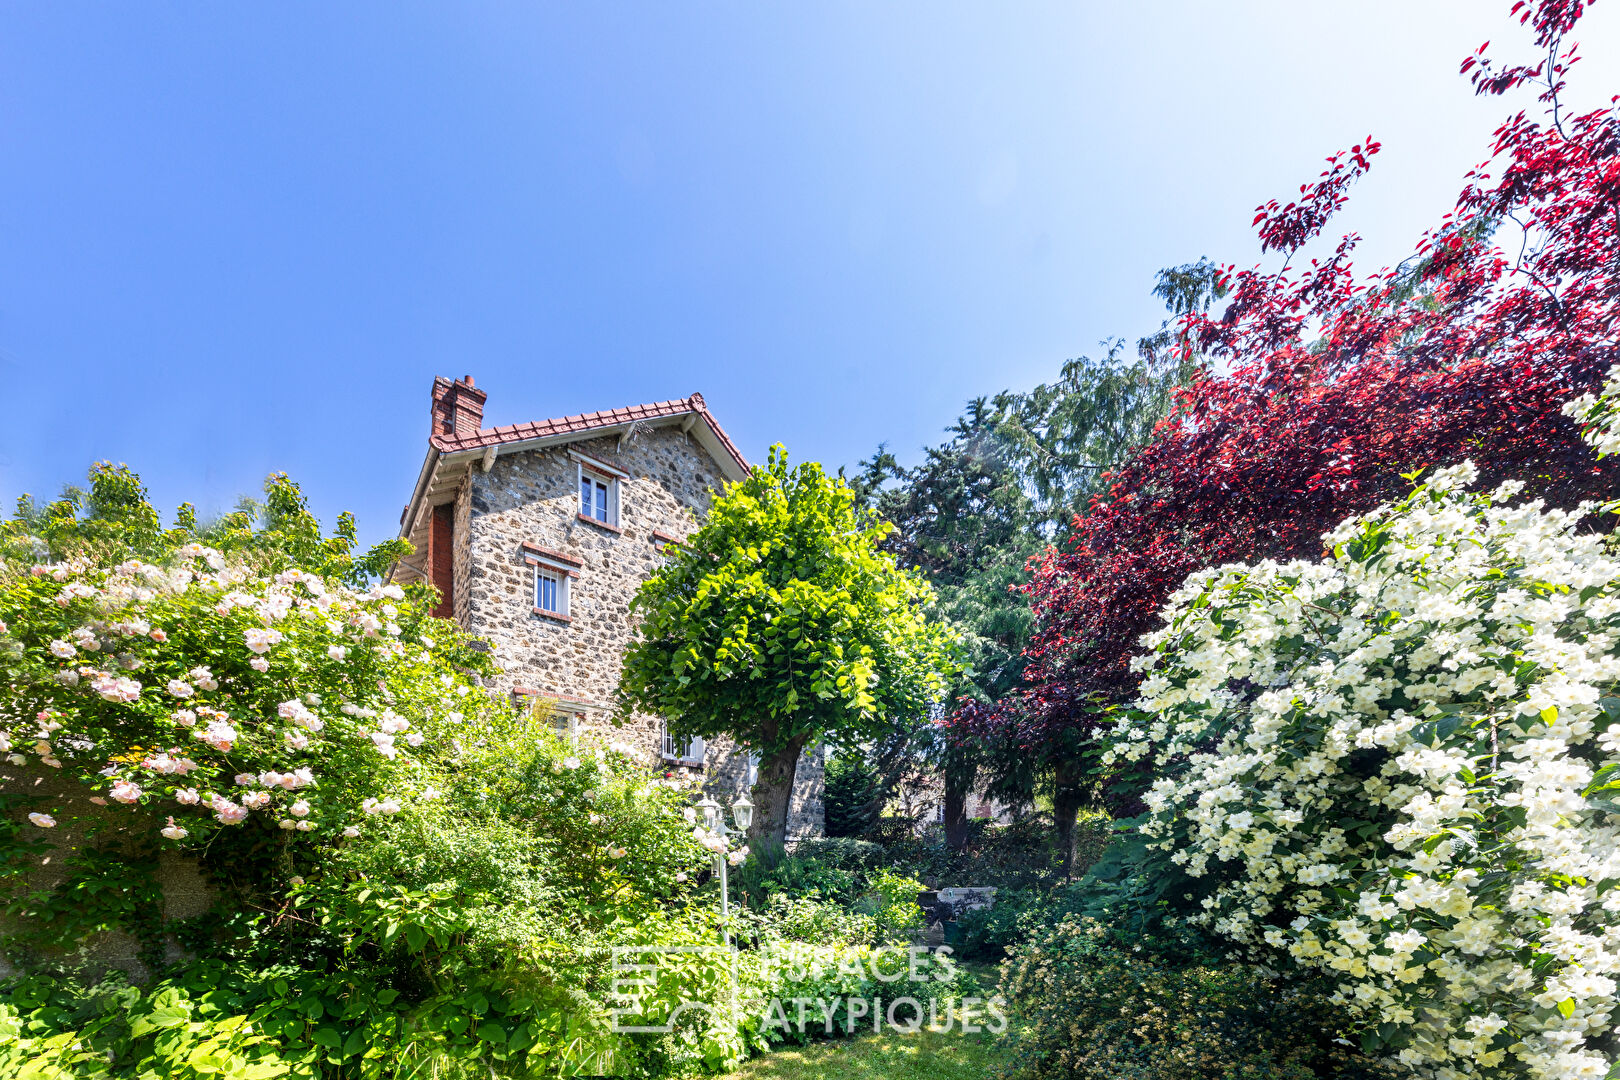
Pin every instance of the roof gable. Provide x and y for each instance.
(564, 429)
(451, 454)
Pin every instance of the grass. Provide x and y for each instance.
(922, 1055)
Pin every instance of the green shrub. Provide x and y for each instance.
(445, 907)
(891, 900)
(987, 933)
(1021, 856)
(811, 920)
(815, 973)
(832, 869)
(851, 795)
(1085, 1008)
(842, 853)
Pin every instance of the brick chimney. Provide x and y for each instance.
(458, 407)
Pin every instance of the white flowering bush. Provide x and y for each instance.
(1599, 414)
(208, 686)
(1399, 766)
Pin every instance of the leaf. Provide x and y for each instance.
(1603, 778)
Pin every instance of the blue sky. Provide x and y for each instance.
(238, 238)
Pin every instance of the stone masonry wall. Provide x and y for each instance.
(533, 497)
(185, 892)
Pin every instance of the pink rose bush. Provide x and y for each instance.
(204, 684)
(382, 830)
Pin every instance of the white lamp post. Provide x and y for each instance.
(742, 812)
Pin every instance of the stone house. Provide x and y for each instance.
(537, 536)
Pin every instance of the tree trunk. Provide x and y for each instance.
(1066, 798)
(773, 793)
(960, 771)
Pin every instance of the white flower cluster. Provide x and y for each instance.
(1600, 414)
(120, 611)
(1398, 765)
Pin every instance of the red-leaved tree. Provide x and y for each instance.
(1321, 389)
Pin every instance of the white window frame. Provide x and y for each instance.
(565, 715)
(561, 572)
(599, 473)
(689, 751)
(567, 723)
(561, 578)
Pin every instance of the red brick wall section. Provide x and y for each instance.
(441, 559)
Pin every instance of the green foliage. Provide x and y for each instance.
(779, 619)
(470, 934)
(809, 919)
(891, 900)
(1089, 1006)
(802, 876)
(113, 516)
(842, 853)
(106, 886)
(815, 973)
(853, 794)
(224, 1020)
(466, 928)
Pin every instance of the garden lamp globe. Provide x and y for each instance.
(742, 812)
(711, 812)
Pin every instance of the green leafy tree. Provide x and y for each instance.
(1015, 470)
(780, 622)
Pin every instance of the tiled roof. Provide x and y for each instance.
(585, 422)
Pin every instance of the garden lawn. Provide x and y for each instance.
(922, 1055)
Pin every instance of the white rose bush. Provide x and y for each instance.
(1400, 766)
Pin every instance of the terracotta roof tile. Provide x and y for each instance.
(584, 422)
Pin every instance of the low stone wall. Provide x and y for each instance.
(185, 892)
